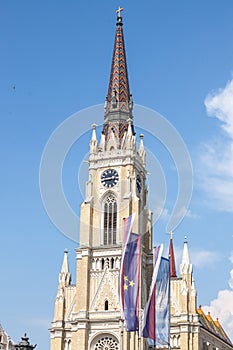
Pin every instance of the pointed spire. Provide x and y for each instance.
(64, 275)
(185, 266)
(185, 255)
(65, 265)
(93, 142)
(119, 104)
(118, 89)
(130, 140)
(102, 142)
(112, 143)
(141, 150)
(172, 258)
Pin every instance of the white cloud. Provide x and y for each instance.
(202, 258)
(222, 306)
(216, 158)
(220, 104)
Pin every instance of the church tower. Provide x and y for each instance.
(87, 315)
(184, 326)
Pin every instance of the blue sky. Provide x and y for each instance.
(55, 61)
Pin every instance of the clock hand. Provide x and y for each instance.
(108, 178)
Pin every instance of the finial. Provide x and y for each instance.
(119, 18)
(93, 141)
(66, 250)
(171, 234)
(141, 136)
(119, 11)
(185, 239)
(129, 120)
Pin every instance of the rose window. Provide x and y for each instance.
(106, 343)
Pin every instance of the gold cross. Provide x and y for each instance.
(119, 11)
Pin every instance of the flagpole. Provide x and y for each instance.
(140, 292)
(122, 320)
(122, 334)
(169, 296)
(155, 302)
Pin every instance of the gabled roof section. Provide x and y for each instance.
(212, 326)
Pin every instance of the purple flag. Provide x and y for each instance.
(129, 280)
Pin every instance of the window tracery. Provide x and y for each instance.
(110, 220)
(106, 343)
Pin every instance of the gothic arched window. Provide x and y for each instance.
(106, 305)
(107, 342)
(110, 220)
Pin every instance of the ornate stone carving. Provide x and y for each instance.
(106, 343)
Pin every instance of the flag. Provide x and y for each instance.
(157, 310)
(126, 234)
(163, 304)
(129, 277)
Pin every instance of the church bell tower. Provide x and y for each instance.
(87, 315)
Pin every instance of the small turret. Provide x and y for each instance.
(93, 142)
(102, 143)
(112, 142)
(64, 281)
(129, 141)
(141, 150)
(185, 266)
(64, 275)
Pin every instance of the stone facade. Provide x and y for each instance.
(6, 343)
(190, 328)
(87, 315)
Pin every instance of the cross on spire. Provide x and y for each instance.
(119, 11)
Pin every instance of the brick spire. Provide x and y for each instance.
(119, 104)
(172, 258)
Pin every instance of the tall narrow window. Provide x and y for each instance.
(106, 305)
(110, 220)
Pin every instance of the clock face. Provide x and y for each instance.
(109, 178)
(139, 183)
